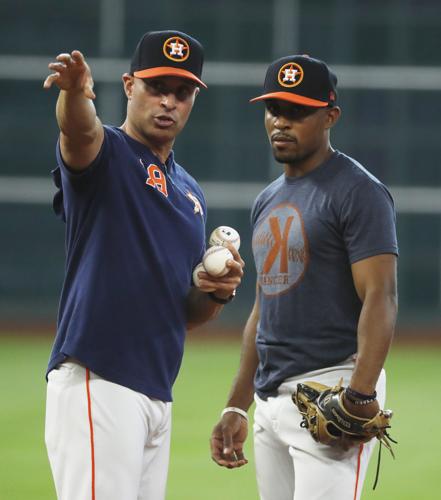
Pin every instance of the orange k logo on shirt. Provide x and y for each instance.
(280, 245)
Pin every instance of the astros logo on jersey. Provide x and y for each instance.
(280, 250)
(197, 204)
(176, 49)
(290, 75)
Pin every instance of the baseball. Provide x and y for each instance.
(223, 235)
(215, 259)
(200, 267)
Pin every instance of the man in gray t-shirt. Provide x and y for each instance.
(325, 249)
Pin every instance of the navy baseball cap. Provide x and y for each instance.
(301, 80)
(168, 53)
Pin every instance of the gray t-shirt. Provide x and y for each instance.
(307, 231)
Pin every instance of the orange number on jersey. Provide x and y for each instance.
(157, 179)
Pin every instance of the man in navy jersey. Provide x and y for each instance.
(325, 249)
(135, 230)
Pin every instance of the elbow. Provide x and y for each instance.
(384, 299)
(391, 299)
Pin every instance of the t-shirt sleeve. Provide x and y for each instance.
(368, 218)
(255, 211)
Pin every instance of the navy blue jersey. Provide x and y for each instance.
(135, 230)
(307, 231)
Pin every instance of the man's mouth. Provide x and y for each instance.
(164, 121)
(281, 139)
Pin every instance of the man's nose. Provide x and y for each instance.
(168, 100)
(281, 122)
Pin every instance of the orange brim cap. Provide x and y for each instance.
(295, 98)
(168, 71)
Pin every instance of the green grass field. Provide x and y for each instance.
(413, 381)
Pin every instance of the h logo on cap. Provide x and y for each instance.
(176, 49)
(290, 75)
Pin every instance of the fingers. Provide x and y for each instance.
(78, 57)
(226, 283)
(50, 80)
(240, 458)
(229, 281)
(70, 71)
(236, 255)
(227, 441)
(235, 266)
(223, 451)
(64, 58)
(217, 446)
(63, 61)
(58, 69)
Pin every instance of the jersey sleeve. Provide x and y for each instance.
(369, 219)
(82, 182)
(203, 245)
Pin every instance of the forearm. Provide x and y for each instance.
(375, 332)
(76, 116)
(200, 308)
(242, 391)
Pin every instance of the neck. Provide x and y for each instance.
(309, 163)
(159, 149)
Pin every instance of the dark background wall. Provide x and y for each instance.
(390, 93)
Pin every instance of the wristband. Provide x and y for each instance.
(234, 409)
(359, 395)
(218, 300)
(357, 398)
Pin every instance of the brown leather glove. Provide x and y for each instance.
(329, 421)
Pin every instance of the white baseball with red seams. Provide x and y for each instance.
(223, 235)
(215, 259)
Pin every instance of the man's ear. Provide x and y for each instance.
(128, 83)
(332, 116)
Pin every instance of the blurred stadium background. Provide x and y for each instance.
(385, 53)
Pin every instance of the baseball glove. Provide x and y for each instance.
(325, 417)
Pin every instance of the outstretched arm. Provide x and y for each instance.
(81, 132)
(230, 433)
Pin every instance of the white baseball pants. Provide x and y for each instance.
(104, 441)
(290, 465)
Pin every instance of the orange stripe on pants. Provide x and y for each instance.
(360, 451)
(92, 445)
